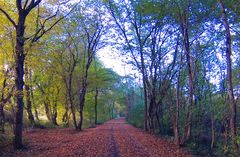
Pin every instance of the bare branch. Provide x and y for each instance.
(37, 37)
(49, 18)
(41, 31)
(32, 5)
(8, 17)
(25, 5)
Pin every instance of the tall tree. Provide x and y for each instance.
(184, 22)
(23, 10)
(232, 101)
(135, 20)
(6, 90)
(28, 94)
(91, 28)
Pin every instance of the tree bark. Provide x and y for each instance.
(19, 73)
(65, 118)
(54, 115)
(36, 113)
(73, 116)
(82, 102)
(188, 126)
(212, 131)
(70, 96)
(112, 110)
(232, 101)
(55, 104)
(2, 118)
(3, 100)
(32, 97)
(47, 110)
(95, 106)
(28, 95)
(176, 120)
(79, 126)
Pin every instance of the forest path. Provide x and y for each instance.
(114, 138)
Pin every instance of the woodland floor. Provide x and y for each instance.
(114, 138)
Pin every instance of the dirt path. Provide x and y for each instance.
(115, 138)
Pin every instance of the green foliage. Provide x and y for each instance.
(136, 116)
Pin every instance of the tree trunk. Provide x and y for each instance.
(112, 110)
(70, 96)
(158, 118)
(83, 92)
(212, 131)
(54, 110)
(175, 125)
(19, 73)
(95, 105)
(36, 113)
(226, 136)
(73, 116)
(65, 118)
(144, 89)
(212, 119)
(47, 111)
(28, 95)
(54, 118)
(151, 114)
(82, 102)
(2, 118)
(19, 57)
(145, 104)
(79, 127)
(32, 97)
(188, 126)
(2, 103)
(54, 114)
(232, 102)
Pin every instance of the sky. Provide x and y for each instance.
(111, 58)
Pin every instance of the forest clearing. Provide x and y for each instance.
(69, 69)
(114, 138)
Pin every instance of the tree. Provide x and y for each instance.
(23, 10)
(70, 51)
(184, 22)
(101, 80)
(92, 42)
(27, 82)
(91, 29)
(232, 101)
(6, 90)
(147, 39)
(136, 22)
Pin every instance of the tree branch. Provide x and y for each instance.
(32, 5)
(25, 5)
(19, 5)
(41, 31)
(8, 17)
(37, 37)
